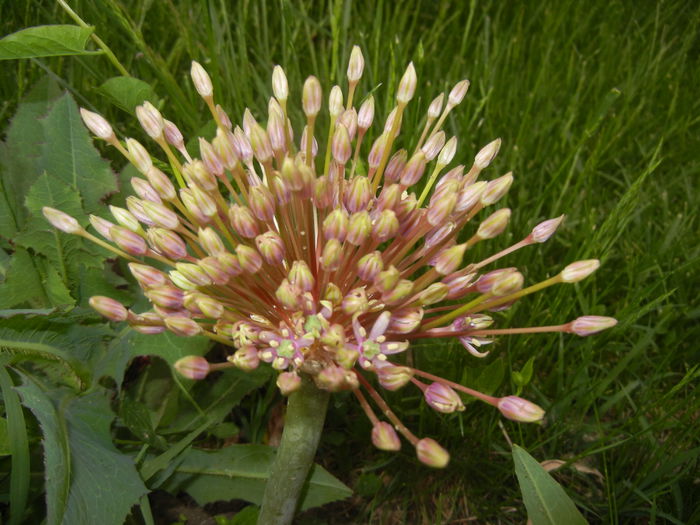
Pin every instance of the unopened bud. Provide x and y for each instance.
(359, 228)
(487, 154)
(139, 156)
(209, 306)
(590, 324)
(487, 281)
(249, 259)
(433, 145)
(356, 65)
(384, 437)
(508, 283)
(470, 196)
(449, 259)
(544, 230)
(147, 276)
(335, 102)
(399, 293)
(330, 257)
(262, 203)
(288, 382)
(182, 326)
(210, 241)
(358, 194)
(340, 144)
(109, 308)
(243, 221)
(246, 358)
(161, 183)
(173, 135)
(407, 85)
(414, 169)
(128, 241)
(395, 166)
(377, 151)
(447, 152)
(166, 296)
(201, 80)
(406, 321)
(144, 190)
(393, 377)
(215, 270)
(280, 87)
(579, 270)
(271, 247)
(311, 97)
(97, 124)
(458, 92)
(355, 301)
(61, 220)
(430, 453)
(385, 226)
(300, 275)
(442, 398)
(102, 226)
(192, 367)
(494, 224)
(167, 242)
(369, 266)
(387, 279)
(126, 218)
(435, 107)
(519, 409)
(366, 114)
(496, 189)
(335, 225)
(150, 119)
(160, 215)
(434, 293)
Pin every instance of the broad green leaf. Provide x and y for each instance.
(127, 92)
(69, 155)
(23, 282)
(102, 483)
(20, 155)
(26, 312)
(491, 377)
(4, 438)
(46, 41)
(546, 501)
(240, 472)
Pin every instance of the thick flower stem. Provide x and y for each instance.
(306, 412)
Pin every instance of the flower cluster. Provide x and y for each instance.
(321, 262)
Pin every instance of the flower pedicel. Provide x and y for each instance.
(315, 262)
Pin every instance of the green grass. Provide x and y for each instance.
(597, 104)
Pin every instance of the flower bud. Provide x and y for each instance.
(241, 145)
(61, 220)
(167, 242)
(147, 276)
(150, 119)
(230, 264)
(341, 148)
(369, 266)
(384, 437)
(377, 151)
(447, 153)
(346, 357)
(224, 149)
(431, 453)
(395, 167)
(407, 85)
(209, 306)
(288, 382)
(414, 169)
(435, 107)
(202, 205)
(393, 377)
(449, 259)
(101, 225)
(262, 148)
(434, 293)
(210, 241)
(166, 296)
(280, 87)
(109, 308)
(519, 409)
(161, 183)
(458, 92)
(544, 230)
(160, 215)
(201, 81)
(335, 225)
(192, 367)
(406, 320)
(246, 358)
(387, 279)
(442, 398)
(332, 294)
(181, 281)
(496, 189)
(215, 270)
(487, 154)
(433, 145)
(144, 190)
(305, 139)
(211, 160)
(335, 102)
(385, 226)
(126, 218)
(356, 65)
(182, 326)
(366, 114)
(389, 124)
(300, 275)
(332, 379)
(193, 273)
(128, 241)
(442, 205)
(358, 194)
(262, 203)
(470, 196)
(276, 132)
(399, 293)
(271, 247)
(355, 301)
(311, 97)
(98, 125)
(590, 324)
(359, 228)
(173, 136)
(579, 270)
(249, 259)
(243, 222)
(349, 120)
(494, 224)
(330, 257)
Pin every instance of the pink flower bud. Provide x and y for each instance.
(166, 296)
(358, 194)
(414, 169)
(377, 152)
(262, 148)
(193, 273)
(167, 242)
(311, 97)
(300, 276)
(356, 65)
(458, 92)
(393, 377)
(442, 398)
(242, 146)
(349, 120)
(215, 270)
(449, 259)
(210, 241)
(435, 107)
(384, 437)
(271, 247)
(192, 367)
(496, 189)
(229, 263)
(280, 87)
(340, 144)
(407, 85)
(144, 190)
(387, 279)
(161, 183)
(470, 196)
(579, 270)
(335, 225)
(544, 230)
(366, 114)
(442, 205)
(182, 326)
(126, 218)
(590, 324)
(109, 308)
(399, 293)
(246, 358)
(150, 119)
(335, 102)
(61, 220)
(147, 276)
(139, 156)
(181, 281)
(262, 203)
(386, 226)
(369, 266)
(209, 306)
(494, 224)
(487, 154)
(389, 124)
(519, 409)
(243, 221)
(395, 166)
(355, 301)
(128, 241)
(223, 146)
(305, 139)
(101, 225)
(433, 145)
(97, 124)
(161, 215)
(288, 382)
(487, 281)
(276, 132)
(211, 160)
(249, 259)
(434, 293)
(201, 81)
(173, 135)
(330, 257)
(447, 153)
(507, 284)
(332, 379)
(430, 453)
(406, 321)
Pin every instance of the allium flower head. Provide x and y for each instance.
(299, 254)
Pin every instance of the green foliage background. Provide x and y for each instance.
(597, 105)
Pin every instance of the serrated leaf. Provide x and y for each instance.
(23, 282)
(46, 41)
(546, 501)
(102, 483)
(240, 472)
(69, 155)
(127, 92)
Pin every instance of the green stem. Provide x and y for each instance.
(306, 412)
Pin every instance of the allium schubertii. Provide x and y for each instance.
(319, 262)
